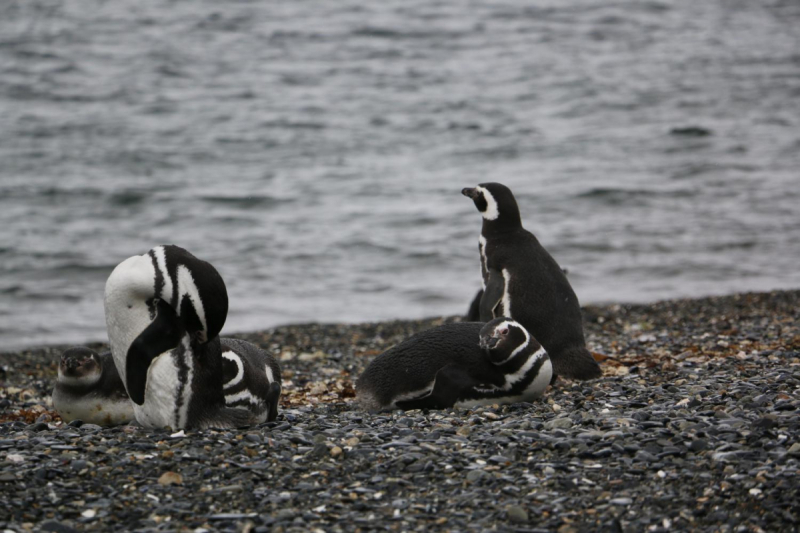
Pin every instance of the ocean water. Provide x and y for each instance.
(314, 151)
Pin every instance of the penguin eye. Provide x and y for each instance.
(504, 331)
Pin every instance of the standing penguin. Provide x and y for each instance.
(522, 281)
(164, 311)
(463, 364)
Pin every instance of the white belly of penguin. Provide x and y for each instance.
(94, 410)
(162, 394)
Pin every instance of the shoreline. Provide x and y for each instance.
(693, 426)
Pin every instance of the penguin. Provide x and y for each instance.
(522, 281)
(88, 388)
(164, 311)
(251, 379)
(462, 364)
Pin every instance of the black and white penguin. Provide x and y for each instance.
(522, 281)
(463, 364)
(164, 311)
(251, 379)
(88, 388)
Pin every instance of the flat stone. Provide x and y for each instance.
(558, 423)
(516, 514)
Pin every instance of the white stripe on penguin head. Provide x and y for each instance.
(187, 286)
(85, 380)
(161, 260)
(515, 324)
(492, 211)
(231, 356)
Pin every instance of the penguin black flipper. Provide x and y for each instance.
(474, 313)
(163, 334)
(450, 384)
(492, 295)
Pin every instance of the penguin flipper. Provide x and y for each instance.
(474, 313)
(164, 333)
(448, 387)
(492, 294)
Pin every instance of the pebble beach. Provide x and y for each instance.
(693, 426)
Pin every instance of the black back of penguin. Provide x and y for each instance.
(411, 365)
(541, 298)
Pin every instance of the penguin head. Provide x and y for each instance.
(197, 292)
(502, 338)
(79, 366)
(496, 204)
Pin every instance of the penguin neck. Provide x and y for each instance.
(125, 324)
(128, 305)
(504, 223)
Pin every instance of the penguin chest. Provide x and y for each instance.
(93, 409)
(526, 384)
(167, 393)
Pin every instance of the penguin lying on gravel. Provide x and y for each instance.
(89, 389)
(522, 281)
(164, 311)
(462, 364)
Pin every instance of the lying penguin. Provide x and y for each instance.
(522, 281)
(89, 389)
(464, 364)
(164, 311)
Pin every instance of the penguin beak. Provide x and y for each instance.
(469, 192)
(488, 343)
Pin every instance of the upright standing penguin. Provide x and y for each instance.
(522, 281)
(164, 311)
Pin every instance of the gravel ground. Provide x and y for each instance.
(694, 426)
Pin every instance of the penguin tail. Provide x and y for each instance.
(575, 363)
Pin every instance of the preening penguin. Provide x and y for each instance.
(89, 388)
(462, 364)
(522, 281)
(164, 311)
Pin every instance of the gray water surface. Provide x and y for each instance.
(314, 151)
